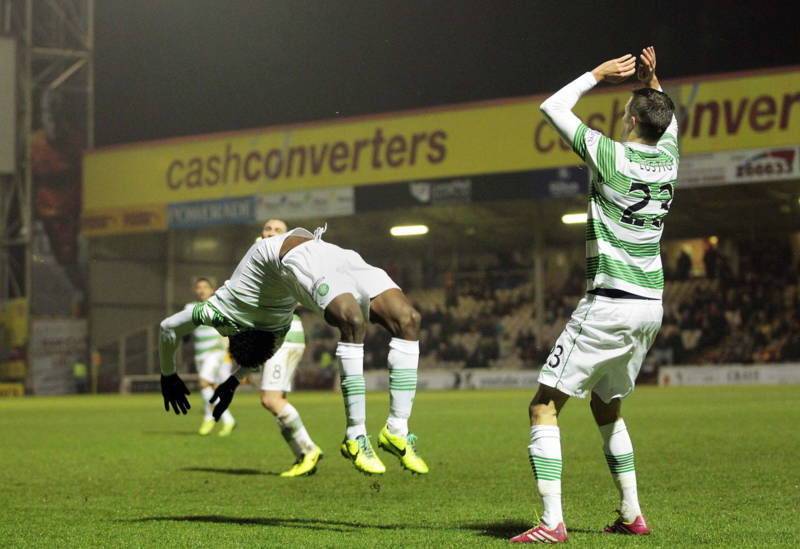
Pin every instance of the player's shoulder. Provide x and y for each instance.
(592, 137)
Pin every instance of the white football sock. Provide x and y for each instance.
(207, 393)
(354, 389)
(618, 449)
(294, 432)
(227, 418)
(544, 454)
(403, 362)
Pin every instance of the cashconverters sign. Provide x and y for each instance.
(724, 112)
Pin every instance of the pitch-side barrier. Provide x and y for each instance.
(729, 374)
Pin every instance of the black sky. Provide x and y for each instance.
(179, 67)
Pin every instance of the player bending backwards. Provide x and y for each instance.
(602, 347)
(212, 365)
(276, 383)
(255, 308)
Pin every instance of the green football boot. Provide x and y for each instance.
(360, 452)
(305, 466)
(227, 429)
(404, 447)
(206, 427)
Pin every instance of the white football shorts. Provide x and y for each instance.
(326, 271)
(214, 367)
(278, 372)
(602, 347)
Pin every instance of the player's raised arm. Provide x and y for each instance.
(646, 74)
(558, 107)
(172, 329)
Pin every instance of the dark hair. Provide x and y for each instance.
(252, 348)
(200, 279)
(653, 111)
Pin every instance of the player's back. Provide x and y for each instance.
(261, 292)
(632, 188)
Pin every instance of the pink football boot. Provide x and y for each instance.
(542, 534)
(636, 528)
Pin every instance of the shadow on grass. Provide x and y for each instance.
(503, 529)
(228, 471)
(171, 433)
(509, 528)
(306, 524)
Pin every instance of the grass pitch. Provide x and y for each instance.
(717, 467)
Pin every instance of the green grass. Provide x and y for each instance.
(717, 467)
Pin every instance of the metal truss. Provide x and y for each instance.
(55, 51)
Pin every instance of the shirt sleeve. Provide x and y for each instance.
(669, 140)
(594, 148)
(557, 108)
(172, 329)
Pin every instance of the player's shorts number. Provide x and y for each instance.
(555, 356)
(276, 371)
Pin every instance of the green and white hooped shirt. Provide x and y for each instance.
(630, 195)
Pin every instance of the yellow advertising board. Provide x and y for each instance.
(12, 390)
(723, 112)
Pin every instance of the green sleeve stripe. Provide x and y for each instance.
(596, 230)
(606, 158)
(670, 148)
(668, 138)
(603, 264)
(579, 141)
(197, 314)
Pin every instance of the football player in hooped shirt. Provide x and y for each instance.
(601, 349)
(255, 309)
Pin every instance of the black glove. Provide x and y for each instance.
(174, 392)
(223, 393)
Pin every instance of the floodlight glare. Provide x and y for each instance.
(408, 230)
(571, 219)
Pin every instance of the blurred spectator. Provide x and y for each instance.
(747, 311)
(684, 267)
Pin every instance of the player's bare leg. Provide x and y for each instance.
(306, 453)
(345, 313)
(544, 454)
(394, 311)
(618, 450)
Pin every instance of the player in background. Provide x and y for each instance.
(255, 309)
(602, 347)
(276, 382)
(213, 367)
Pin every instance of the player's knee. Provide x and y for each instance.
(352, 325)
(543, 414)
(271, 403)
(408, 322)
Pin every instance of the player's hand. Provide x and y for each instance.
(616, 70)
(223, 393)
(646, 72)
(174, 391)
